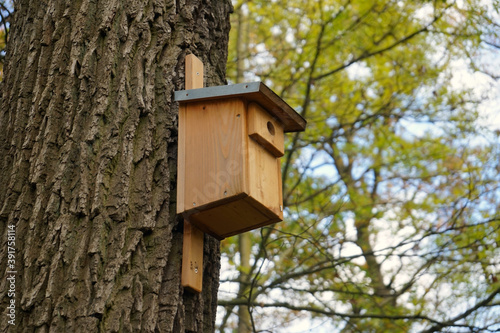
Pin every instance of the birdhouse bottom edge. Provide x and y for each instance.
(233, 217)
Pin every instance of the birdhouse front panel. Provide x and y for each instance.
(214, 160)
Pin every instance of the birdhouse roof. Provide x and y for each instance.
(252, 92)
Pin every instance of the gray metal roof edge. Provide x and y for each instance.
(217, 91)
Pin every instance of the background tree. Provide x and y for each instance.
(5, 14)
(393, 191)
(88, 147)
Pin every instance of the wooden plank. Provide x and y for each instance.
(181, 160)
(194, 72)
(193, 80)
(192, 248)
(265, 130)
(192, 258)
(265, 178)
(215, 153)
(234, 218)
(280, 189)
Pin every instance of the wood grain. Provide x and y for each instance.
(215, 145)
(265, 174)
(192, 257)
(234, 217)
(266, 130)
(192, 248)
(194, 72)
(231, 182)
(181, 161)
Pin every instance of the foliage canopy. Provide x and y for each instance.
(5, 15)
(393, 192)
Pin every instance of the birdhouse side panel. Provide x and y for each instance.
(265, 178)
(181, 160)
(214, 154)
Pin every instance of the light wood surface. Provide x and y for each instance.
(181, 159)
(266, 130)
(265, 174)
(193, 80)
(234, 217)
(194, 72)
(192, 257)
(215, 162)
(192, 248)
(229, 175)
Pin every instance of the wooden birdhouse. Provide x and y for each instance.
(231, 139)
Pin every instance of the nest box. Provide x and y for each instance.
(231, 139)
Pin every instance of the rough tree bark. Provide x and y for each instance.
(88, 148)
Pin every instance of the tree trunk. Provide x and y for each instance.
(244, 242)
(88, 148)
(245, 249)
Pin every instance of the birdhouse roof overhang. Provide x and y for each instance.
(251, 92)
